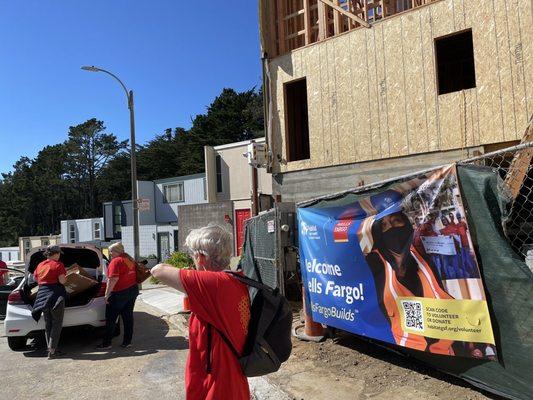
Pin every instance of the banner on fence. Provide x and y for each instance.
(397, 265)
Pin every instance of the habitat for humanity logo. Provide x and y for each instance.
(309, 230)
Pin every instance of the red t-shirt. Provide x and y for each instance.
(124, 269)
(48, 271)
(220, 300)
(462, 230)
(3, 271)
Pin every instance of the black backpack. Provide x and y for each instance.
(268, 343)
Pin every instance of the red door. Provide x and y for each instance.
(240, 217)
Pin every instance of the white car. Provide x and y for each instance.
(84, 309)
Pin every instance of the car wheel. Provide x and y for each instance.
(16, 343)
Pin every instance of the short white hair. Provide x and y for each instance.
(214, 242)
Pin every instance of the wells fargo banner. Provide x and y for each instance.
(398, 265)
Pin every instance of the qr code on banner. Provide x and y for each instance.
(414, 319)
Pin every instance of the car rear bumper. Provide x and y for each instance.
(19, 321)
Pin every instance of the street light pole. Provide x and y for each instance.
(133, 165)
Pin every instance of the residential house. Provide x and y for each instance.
(82, 230)
(361, 91)
(26, 243)
(9, 254)
(158, 218)
(229, 180)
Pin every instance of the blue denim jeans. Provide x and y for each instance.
(120, 304)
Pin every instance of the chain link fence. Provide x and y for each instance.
(515, 168)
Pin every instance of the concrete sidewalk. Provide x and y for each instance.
(168, 303)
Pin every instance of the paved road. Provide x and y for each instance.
(152, 369)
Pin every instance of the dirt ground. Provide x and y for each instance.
(347, 367)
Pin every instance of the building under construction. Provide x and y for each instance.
(361, 91)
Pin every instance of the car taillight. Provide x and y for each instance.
(15, 298)
(101, 292)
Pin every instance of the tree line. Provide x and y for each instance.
(70, 180)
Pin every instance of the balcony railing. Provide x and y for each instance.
(297, 23)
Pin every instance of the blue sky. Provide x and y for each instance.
(175, 55)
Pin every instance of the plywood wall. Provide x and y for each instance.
(372, 93)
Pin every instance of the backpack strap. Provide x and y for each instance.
(248, 281)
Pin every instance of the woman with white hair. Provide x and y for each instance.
(220, 311)
(120, 295)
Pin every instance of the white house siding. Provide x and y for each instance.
(84, 230)
(194, 193)
(147, 238)
(9, 254)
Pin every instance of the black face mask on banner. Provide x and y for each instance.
(397, 239)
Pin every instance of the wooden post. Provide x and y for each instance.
(322, 21)
(282, 45)
(307, 22)
(337, 19)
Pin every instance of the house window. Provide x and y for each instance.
(173, 193)
(204, 183)
(27, 246)
(219, 173)
(72, 233)
(297, 122)
(45, 242)
(117, 219)
(96, 230)
(455, 62)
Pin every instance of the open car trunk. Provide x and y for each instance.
(87, 258)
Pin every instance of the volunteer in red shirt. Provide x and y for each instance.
(121, 293)
(50, 274)
(3, 273)
(219, 303)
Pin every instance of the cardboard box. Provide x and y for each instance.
(78, 281)
(77, 269)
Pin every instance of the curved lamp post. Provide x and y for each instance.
(129, 95)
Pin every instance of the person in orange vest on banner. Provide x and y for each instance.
(399, 270)
(4, 276)
(220, 312)
(120, 295)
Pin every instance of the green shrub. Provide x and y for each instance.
(178, 260)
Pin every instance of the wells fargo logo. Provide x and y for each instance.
(340, 231)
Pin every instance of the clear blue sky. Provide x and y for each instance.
(176, 55)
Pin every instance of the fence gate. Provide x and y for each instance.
(270, 252)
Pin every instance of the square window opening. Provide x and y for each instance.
(297, 120)
(173, 193)
(455, 62)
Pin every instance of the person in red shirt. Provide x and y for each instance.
(3, 273)
(121, 292)
(50, 274)
(219, 305)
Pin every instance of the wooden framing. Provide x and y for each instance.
(297, 23)
(373, 94)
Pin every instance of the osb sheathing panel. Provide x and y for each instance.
(372, 93)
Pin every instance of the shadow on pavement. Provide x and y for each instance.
(150, 335)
